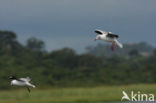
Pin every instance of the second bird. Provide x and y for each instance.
(21, 82)
(108, 37)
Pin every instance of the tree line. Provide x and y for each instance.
(66, 68)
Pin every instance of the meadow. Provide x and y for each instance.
(98, 94)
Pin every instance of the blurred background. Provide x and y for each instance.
(51, 41)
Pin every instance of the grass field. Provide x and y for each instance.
(73, 95)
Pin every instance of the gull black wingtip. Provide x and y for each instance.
(98, 31)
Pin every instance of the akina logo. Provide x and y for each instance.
(137, 96)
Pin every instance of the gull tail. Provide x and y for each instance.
(118, 44)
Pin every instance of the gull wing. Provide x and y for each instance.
(112, 35)
(99, 32)
(27, 79)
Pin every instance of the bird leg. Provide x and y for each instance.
(112, 46)
(28, 89)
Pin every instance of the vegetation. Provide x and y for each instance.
(66, 68)
(100, 94)
(129, 50)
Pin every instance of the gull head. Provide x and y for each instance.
(12, 77)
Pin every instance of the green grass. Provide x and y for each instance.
(73, 95)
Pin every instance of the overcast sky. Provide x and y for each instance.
(71, 23)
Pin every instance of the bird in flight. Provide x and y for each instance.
(108, 37)
(21, 82)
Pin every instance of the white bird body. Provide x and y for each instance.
(18, 83)
(108, 37)
(22, 83)
(105, 38)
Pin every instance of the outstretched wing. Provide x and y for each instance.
(27, 79)
(99, 32)
(112, 35)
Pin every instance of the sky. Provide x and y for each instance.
(71, 23)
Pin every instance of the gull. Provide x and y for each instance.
(108, 37)
(21, 82)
